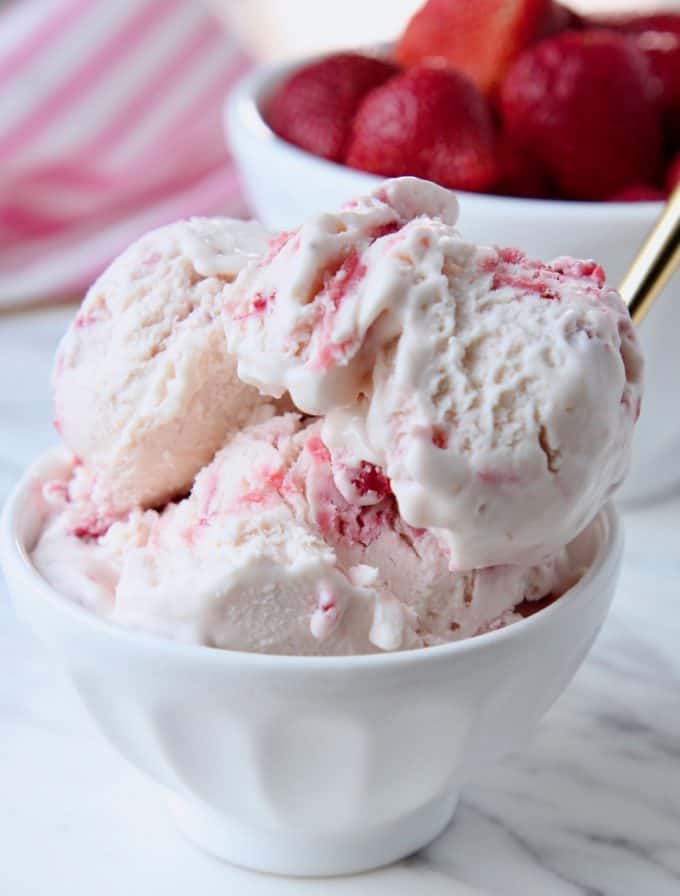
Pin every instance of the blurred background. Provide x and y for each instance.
(283, 29)
(111, 116)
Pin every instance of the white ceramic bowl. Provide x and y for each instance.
(286, 185)
(305, 765)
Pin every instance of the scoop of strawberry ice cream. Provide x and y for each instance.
(145, 391)
(234, 566)
(266, 555)
(421, 599)
(498, 394)
(503, 414)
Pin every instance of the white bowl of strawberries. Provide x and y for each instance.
(559, 135)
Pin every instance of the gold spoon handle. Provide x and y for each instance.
(656, 261)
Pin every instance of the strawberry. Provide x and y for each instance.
(658, 36)
(314, 107)
(479, 38)
(428, 122)
(584, 106)
(673, 174)
(662, 49)
(637, 193)
(519, 175)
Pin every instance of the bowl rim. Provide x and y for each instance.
(22, 574)
(244, 112)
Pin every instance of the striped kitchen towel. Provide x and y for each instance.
(110, 124)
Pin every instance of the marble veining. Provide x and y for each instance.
(591, 806)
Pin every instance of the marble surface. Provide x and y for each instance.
(591, 807)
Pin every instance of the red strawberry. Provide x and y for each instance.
(673, 174)
(584, 106)
(658, 36)
(479, 38)
(519, 175)
(314, 107)
(429, 122)
(662, 49)
(637, 193)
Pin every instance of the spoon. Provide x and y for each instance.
(655, 262)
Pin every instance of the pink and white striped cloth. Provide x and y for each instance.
(110, 124)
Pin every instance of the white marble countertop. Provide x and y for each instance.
(592, 807)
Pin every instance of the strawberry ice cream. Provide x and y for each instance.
(266, 555)
(497, 394)
(465, 412)
(144, 389)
